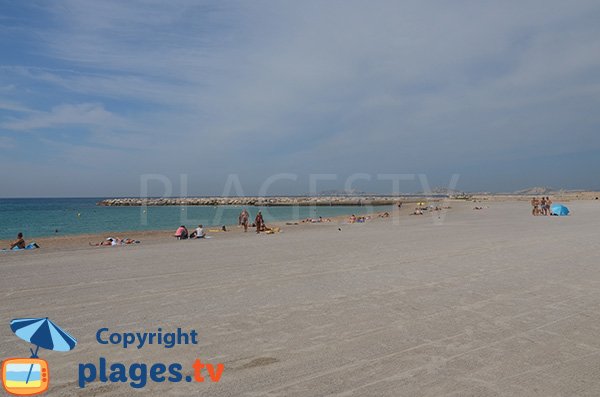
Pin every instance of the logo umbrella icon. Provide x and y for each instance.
(42, 333)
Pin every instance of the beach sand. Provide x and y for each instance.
(479, 303)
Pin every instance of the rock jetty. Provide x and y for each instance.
(259, 201)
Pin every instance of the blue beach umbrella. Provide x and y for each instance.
(559, 209)
(42, 333)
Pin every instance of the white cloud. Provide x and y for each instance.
(89, 114)
(331, 85)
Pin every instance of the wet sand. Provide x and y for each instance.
(479, 303)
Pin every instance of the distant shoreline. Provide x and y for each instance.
(81, 241)
(83, 217)
(324, 201)
(304, 201)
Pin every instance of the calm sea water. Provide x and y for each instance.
(70, 216)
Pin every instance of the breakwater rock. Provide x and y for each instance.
(259, 201)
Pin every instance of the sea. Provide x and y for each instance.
(44, 217)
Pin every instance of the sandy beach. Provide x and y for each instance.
(492, 302)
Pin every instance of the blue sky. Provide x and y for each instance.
(94, 94)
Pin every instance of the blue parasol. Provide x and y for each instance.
(42, 333)
(559, 209)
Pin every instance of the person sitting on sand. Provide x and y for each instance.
(198, 233)
(19, 243)
(182, 233)
(352, 219)
(417, 211)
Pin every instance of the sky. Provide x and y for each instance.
(238, 97)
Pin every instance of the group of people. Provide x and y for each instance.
(259, 221)
(358, 219)
(421, 208)
(541, 206)
(182, 233)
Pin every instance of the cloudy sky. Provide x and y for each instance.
(95, 94)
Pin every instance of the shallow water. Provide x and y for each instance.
(72, 216)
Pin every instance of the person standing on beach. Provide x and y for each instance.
(259, 221)
(543, 205)
(244, 218)
(548, 206)
(534, 204)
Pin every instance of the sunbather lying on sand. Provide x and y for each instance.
(316, 220)
(112, 241)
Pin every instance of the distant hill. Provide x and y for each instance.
(351, 192)
(534, 191)
(442, 191)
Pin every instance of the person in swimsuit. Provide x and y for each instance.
(534, 204)
(244, 219)
(19, 243)
(259, 221)
(543, 206)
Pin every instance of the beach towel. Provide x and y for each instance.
(31, 246)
